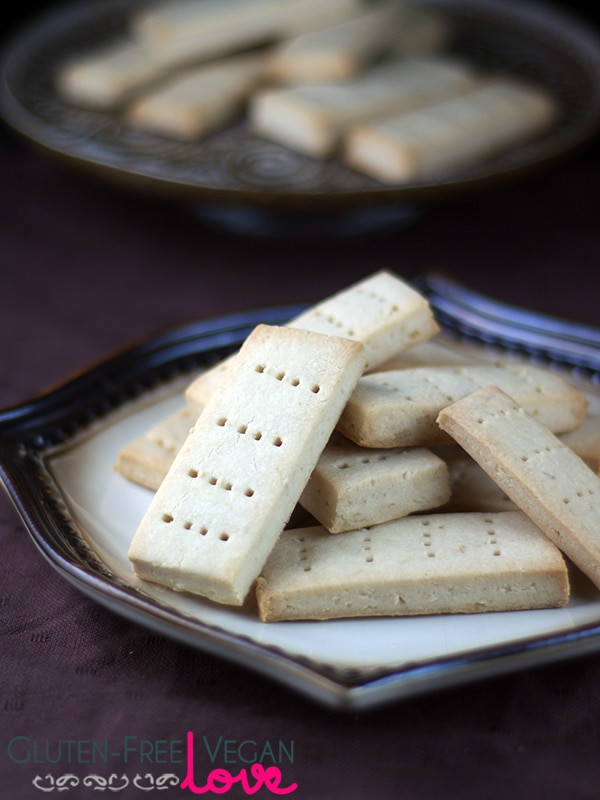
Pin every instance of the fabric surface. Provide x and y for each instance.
(88, 268)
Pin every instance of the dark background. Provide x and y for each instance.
(589, 11)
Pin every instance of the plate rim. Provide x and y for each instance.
(31, 433)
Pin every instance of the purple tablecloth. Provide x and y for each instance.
(88, 268)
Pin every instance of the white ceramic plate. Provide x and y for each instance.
(57, 457)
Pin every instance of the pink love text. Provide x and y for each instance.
(220, 781)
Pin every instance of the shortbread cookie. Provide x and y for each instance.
(337, 52)
(352, 487)
(382, 312)
(471, 488)
(426, 564)
(197, 100)
(187, 31)
(585, 441)
(399, 408)
(147, 459)
(340, 52)
(312, 119)
(543, 476)
(108, 76)
(444, 138)
(432, 353)
(235, 482)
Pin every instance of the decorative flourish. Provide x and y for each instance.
(102, 783)
(61, 784)
(148, 782)
(112, 783)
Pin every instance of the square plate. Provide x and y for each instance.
(57, 455)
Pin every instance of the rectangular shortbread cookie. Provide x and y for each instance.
(540, 474)
(313, 118)
(197, 100)
(432, 353)
(398, 408)
(337, 52)
(471, 487)
(426, 564)
(236, 480)
(352, 487)
(107, 76)
(147, 459)
(206, 18)
(186, 31)
(382, 312)
(585, 441)
(450, 135)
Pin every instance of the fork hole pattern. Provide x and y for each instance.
(242, 429)
(170, 448)
(188, 525)
(336, 323)
(279, 375)
(427, 543)
(304, 557)
(493, 541)
(365, 460)
(223, 484)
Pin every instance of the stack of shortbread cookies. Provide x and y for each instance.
(368, 81)
(430, 481)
